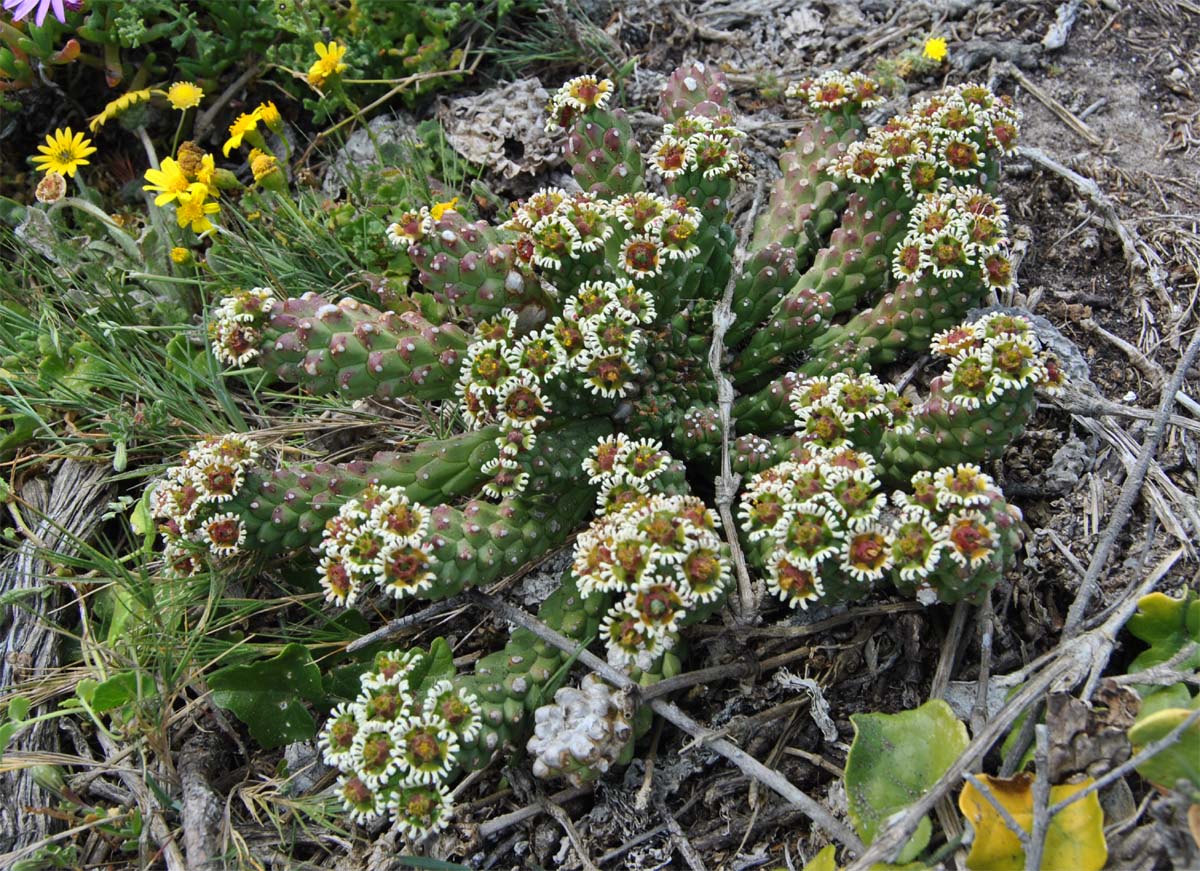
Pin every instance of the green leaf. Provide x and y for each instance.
(18, 708)
(1180, 761)
(441, 663)
(1166, 624)
(268, 696)
(894, 760)
(826, 860)
(118, 690)
(7, 730)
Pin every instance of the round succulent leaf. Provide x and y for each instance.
(1166, 624)
(894, 760)
(1181, 760)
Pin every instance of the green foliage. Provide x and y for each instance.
(1166, 624)
(269, 696)
(894, 760)
(1178, 764)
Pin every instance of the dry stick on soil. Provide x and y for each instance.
(979, 711)
(395, 628)
(1041, 801)
(726, 483)
(496, 825)
(1164, 674)
(947, 814)
(1149, 369)
(1138, 254)
(1064, 114)
(679, 839)
(1147, 752)
(1129, 492)
(560, 816)
(670, 712)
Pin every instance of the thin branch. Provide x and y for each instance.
(1041, 802)
(560, 817)
(726, 483)
(397, 627)
(1129, 492)
(670, 712)
(1013, 826)
(1147, 752)
(679, 839)
(495, 825)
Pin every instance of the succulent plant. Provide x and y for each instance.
(578, 362)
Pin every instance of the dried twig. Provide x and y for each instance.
(1122, 510)
(670, 712)
(679, 839)
(1149, 751)
(394, 628)
(1064, 114)
(1138, 254)
(495, 825)
(1036, 844)
(726, 483)
(560, 816)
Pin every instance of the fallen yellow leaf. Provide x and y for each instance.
(1074, 838)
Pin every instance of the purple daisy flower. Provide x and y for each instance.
(21, 8)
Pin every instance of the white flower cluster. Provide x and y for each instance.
(942, 140)
(236, 327)
(697, 145)
(997, 353)
(624, 469)
(597, 344)
(558, 228)
(662, 552)
(818, 515)
(190, 499)
(952, 233)
(380, 536)
(578, 95)
(396, 745)
(581, 735)
(843, 410)
(835, 90)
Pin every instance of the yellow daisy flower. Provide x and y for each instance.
(194, 209)
(440, 209)
(328, 63)
(181, 255)
(239, 128)
(935, 48)
(208, 167)
(271, 117)
(170, 182)
(64, 152)
(184, 95)
(119, 105)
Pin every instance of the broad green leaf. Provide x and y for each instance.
(1074, 838)
(7, 730)
(1180, 761)
(823, 861)
(269, 696)
(118, 690)
(894, 760)
(1163, 698)
(18, 708)
(441, 663)
(1166, 624)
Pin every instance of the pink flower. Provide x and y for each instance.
(21, 8)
